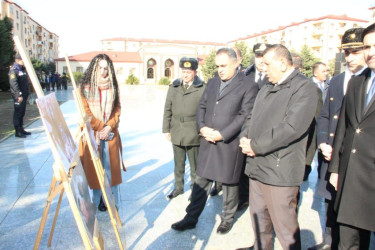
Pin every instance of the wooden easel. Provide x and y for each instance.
(102, 177)
(60, 180)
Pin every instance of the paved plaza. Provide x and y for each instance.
(146, 214)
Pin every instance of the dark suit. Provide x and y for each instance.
(353, 158)
(326, 129)
(222, 161)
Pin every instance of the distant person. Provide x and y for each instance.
(180, 121)
(19, 87)
(352, 46)
(101, 101)
(64, 81)
(226, 103)
(352, 165)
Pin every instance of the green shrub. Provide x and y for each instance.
(164, 81)
(77, 77)
(132, 80)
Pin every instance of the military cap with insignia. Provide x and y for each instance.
(259, 48)
(352, 39)
(189, 63)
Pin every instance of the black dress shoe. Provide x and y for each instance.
(102, 206)
(224, 227)
(184, 224)
(23, 131)
(20, 134)
(174, 194)
(242, 205)
(321, 246)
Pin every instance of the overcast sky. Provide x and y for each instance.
(81, 24)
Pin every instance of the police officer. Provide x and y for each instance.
(19, 87)
(255, 70)
(179, 121)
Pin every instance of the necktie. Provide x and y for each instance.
(260, 77)
(186, 86)
(370, 92)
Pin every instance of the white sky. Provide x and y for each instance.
(81, 24)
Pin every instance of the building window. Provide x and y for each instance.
(150, 73)
(79, 69)
(120, 71)
(168, 68)
(151, 65)
(18, 26)
(17, 14)
(65, 69)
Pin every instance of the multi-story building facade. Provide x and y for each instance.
(39, 42)
(323, 35)
(156, 58)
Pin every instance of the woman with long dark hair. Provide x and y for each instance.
(101, 101)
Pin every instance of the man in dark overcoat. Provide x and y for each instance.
(352, 47)
(179, 121)
(225, 104)
(352, 166)
(274, 139)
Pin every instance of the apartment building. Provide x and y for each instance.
(39, 42)
(323, 35)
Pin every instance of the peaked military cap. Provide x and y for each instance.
(189, 63)
(18, 56)
(352, 39)
(259, 48)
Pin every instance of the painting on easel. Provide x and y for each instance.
(84, 197)
(57, 127)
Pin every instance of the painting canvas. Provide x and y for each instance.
(84, 198)
(54, 121)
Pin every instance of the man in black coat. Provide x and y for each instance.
(352, 46)
(226, 102)
(352, 166)
(19, 87)
(274, 139)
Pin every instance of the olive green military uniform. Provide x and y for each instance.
(180, 121)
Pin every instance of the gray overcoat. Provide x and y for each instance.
(223, 160)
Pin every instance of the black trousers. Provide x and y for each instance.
(244, 186)
(331, 235)
(19, 113)
(199, 195)
(354, 238)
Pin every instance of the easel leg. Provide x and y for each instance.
(45, 214)
(55, 218)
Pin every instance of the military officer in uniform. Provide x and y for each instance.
(19, 87)
(255, 70)
(352, 47)
(179, 121)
